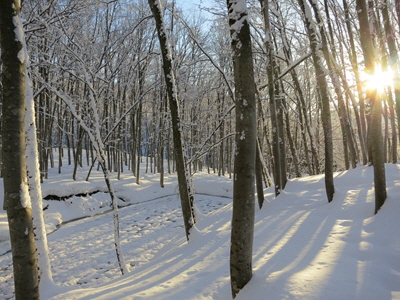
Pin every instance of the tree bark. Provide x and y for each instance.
(324, 98)
(347, 137)
(245, 158)
(183, 181)
(375, 125)
(16, 197)
(276, 134)
(393, 61)
(362, 127)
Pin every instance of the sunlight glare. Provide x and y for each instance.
(380, 80)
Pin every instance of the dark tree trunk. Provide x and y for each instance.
(276, 134)
(347, 137)
(375, 126)
(259, 180)
(324, 98)
(245, 158)
(393, 61)
(184, 189)
(362, 127)
(17, 202)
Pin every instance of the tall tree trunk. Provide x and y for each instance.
(35, 190)
(375, 125)
(387, 95)
(16, 196)
(183, 181)
(276, 134)
(393, 59)
(161, 141)
(347, 137)
(279, 98)
(362, 127)
(303, 115)
(138, 142)
(323, 96)
(245, 158)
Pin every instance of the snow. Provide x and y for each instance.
(238, 13)
(19, 36)
(24, 194)
(304, 248)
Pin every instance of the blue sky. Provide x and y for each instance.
(192, 5)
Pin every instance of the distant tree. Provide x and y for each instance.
(16, 196)
(394, 61)
(279, 166)
(245, 154)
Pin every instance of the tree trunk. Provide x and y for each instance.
(35, 190)
(347, 137)
(375, 125)
(276, 134)
(393, 60)
(324, 98)
(245, 158)
(16, 196)
(303, 116)
(184, 192)
(362, 127)
(259, 180)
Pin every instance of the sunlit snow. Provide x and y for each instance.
(304, 248)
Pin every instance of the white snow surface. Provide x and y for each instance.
(304, 248)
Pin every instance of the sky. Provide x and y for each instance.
(190, 5)
(196, 6)
(304, 247)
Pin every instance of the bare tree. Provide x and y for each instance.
(277, 134)
(323, 95)
(245, 155)
(375, 125)
(187, 198)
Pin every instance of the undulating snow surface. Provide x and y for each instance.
(304, 248)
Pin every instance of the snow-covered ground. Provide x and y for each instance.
(304, 248)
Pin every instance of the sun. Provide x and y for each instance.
(379, 80)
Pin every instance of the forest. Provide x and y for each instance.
(258, 91)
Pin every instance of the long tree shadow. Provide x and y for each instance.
(304, 248)
(171, 274)
(328, 253)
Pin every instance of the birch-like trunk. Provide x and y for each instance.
(35, 190)
(101, 158)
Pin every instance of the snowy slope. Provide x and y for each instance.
(304, 248)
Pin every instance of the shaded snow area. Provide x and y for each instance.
(304, 248)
